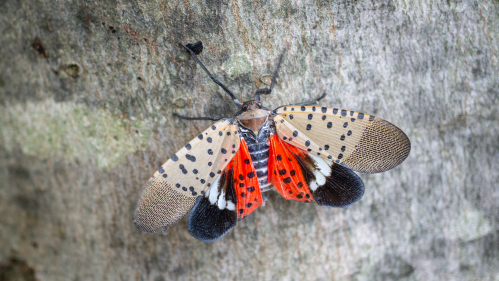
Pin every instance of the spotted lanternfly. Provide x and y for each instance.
(306, 152)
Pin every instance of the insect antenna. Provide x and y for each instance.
(267, 91)
(198, 118)
(198, 48)
(310, 102)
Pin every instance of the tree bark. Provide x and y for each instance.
(88, 90)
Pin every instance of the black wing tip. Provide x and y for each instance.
(342, 189)
(208, 223)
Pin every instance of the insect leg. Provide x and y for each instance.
(312, 101)
(267, 91)
(199, 118)
(233, 97)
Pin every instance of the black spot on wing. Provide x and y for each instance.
(190, 157)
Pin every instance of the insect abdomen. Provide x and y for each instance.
(259, 152)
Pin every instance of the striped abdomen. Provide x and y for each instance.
(259, 152)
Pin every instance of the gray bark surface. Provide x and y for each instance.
(86, 113)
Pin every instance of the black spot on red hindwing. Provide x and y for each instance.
(299, 196)
(250, 175)
(287, 180)
(241, 184)
(241, 211)
(292, 173)
(279, 157)
(250, 189)
(246, 161)
(300, 185)
(282, 172)
(249, 205)
(243, 195)
(241, 177)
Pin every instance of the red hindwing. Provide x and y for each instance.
(246, 184)
(285, 172)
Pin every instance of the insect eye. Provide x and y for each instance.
(259, 104)
(245, 107)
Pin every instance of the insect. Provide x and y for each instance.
(306, 152)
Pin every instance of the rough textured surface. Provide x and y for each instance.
(86, 118)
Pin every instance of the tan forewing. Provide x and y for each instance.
(359, 141)
(172, 191)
